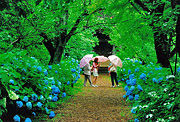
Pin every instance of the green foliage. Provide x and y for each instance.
(81, 44)
(21, 76)
(159, 98)
(51, 23)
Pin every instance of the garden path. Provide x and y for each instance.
(95, 104)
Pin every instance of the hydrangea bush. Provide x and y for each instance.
(29, 87)
(154, 95)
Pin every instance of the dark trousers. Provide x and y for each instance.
(114, 77)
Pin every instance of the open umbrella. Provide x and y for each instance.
(101, 58)
(85, 60)
(115, 60)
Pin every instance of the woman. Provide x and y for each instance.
(113, 73)
(95, 68)
(87, 74)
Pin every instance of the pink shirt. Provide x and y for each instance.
(95, 65)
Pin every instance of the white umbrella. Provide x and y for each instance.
(85, 60)
(101, 58)
(115, 60)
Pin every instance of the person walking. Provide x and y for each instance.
(87, 74)
(95, 68)
(113, 73)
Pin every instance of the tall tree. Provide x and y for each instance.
(54, 22)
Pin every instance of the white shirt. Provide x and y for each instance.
(87, 69)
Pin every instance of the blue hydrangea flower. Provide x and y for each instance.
(46, 82)
(33, 113)
(78, 76)
(137, 70)
(16, 118)
(160, 68)
(151, 72)
(133, 111)
(127, 58)
(73, 70)
(47, 110)
(129, 71)
(73, 60)
(128, 82)
(24, 70)
(39, 104)
(136, 61)
(74, 75)
(126, 88)
(29, 105)
(33, 58)
(11, 81)
(28, 120)
(50, 97)
(129, 92)
(63, 94)
(124, 96)
(51, 114)
(52, 82)
(45, 72)
(56, 71)
(74, 81)
(49, 66)
(143, 76)
(59, 83)
(68, 82)
(25, 99)
(131, 76)
(19, 104)
(133, 82)
(34, 97)
(140, 62)
(139, 88)
(155, 80)
(132, 88)
(136, 120)
(160, 79)
(41, 97)
(178, 69)
(136, 97)
(131, 97)
(39, 68)
(55, 98)
(55, 89)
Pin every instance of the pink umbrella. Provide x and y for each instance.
(101, 58)
(115, 60)
(85, 60)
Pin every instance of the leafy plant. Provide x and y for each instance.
(28, 86)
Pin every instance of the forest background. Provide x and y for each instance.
(53, 30)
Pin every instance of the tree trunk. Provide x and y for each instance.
(161, 47)
(178, 36)
(56, 58)
(160, 39)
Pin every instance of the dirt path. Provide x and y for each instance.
(96, 104)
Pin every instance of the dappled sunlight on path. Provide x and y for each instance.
(96, 104)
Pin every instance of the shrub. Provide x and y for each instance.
(156, 96)
(28, 86)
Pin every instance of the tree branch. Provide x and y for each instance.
(142, 5)
(80, 18)
(134, 6)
